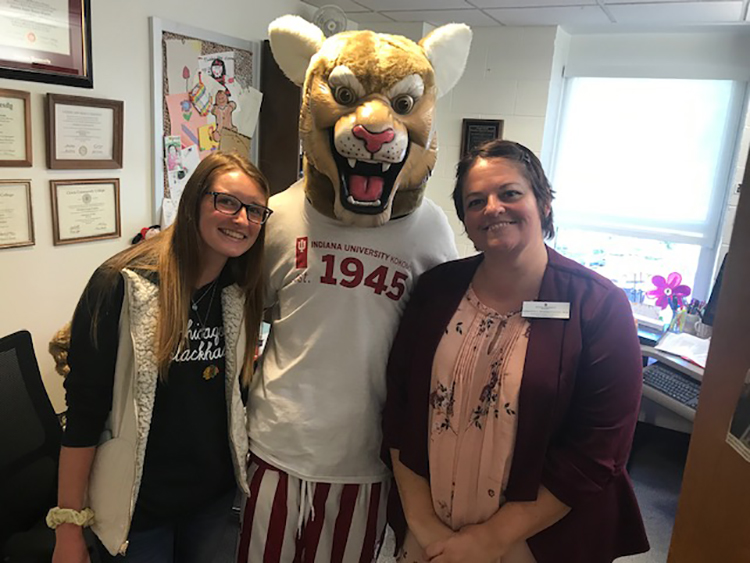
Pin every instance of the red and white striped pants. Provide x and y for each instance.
(288, 520)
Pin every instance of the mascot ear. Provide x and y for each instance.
(294, 41)
(447, 48)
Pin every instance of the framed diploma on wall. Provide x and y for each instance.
(85, 210)
(16, 218)
(15, 128)
(474, 132)
(46, 41)
(83, 132)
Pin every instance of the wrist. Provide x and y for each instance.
(428, 529)
(488, 538)
(68, 529)
(57, 517)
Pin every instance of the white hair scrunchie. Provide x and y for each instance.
(57, 516)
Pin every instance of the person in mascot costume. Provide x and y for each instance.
(344, 248)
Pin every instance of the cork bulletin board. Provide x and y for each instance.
(205, 97)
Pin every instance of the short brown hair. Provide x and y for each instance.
(529, 166)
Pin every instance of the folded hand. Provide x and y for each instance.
(470, 545)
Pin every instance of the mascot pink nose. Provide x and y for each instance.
(373, 141)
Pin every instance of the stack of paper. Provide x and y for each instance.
(686, 346)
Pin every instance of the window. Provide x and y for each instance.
(630, 262)
(641, 172)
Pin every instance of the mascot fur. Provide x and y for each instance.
(344, 248)
(367, 117)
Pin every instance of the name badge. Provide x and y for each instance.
(545, 310)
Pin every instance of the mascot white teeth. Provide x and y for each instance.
(344, 248)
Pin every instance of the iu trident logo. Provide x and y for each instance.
(301, 261)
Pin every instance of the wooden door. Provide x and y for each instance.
(279, 157)
(713, 516)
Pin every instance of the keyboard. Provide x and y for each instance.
(672, 383)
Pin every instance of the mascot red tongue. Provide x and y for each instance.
(366, 188)
(344, 248)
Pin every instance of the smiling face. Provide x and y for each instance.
(501, 213)
(217, 70)
(228, 236)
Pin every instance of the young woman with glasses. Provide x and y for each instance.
(155, 443)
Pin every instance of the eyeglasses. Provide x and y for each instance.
(230, 205)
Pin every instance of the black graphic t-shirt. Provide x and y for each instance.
(188, 461)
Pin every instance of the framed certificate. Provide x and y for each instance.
(16, 220)
(85, 210)
(83, 132)
(474, 132)
(46, 41)
(15, 128)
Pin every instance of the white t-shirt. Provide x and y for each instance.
(337, 294)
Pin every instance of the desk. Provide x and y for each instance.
(659, 409)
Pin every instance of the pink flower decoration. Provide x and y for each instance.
(671, 288)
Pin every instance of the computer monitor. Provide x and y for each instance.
(709, 314)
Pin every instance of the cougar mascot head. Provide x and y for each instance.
(367, 114)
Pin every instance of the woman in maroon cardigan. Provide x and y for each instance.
(513, 390)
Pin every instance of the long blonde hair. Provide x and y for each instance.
(174, 256)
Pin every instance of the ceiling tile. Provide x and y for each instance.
(439, 17)
(368, 17)
(346, 5)
(387, 5)
(580, 15)
(530, 3)
(647, 1)
(677, 13)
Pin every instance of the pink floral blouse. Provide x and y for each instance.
(476, 378)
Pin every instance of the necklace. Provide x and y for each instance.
(194, 304)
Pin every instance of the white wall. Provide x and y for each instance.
(40, 285)
(507, 77)
(413, 30)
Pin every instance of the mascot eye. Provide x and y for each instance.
(403, 104)
(344, 95)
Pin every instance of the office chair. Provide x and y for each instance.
(29, 449)
(30, 435)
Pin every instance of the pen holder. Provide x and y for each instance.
(691, 323)
(703, 331)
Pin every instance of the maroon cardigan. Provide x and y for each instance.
(577, 411)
